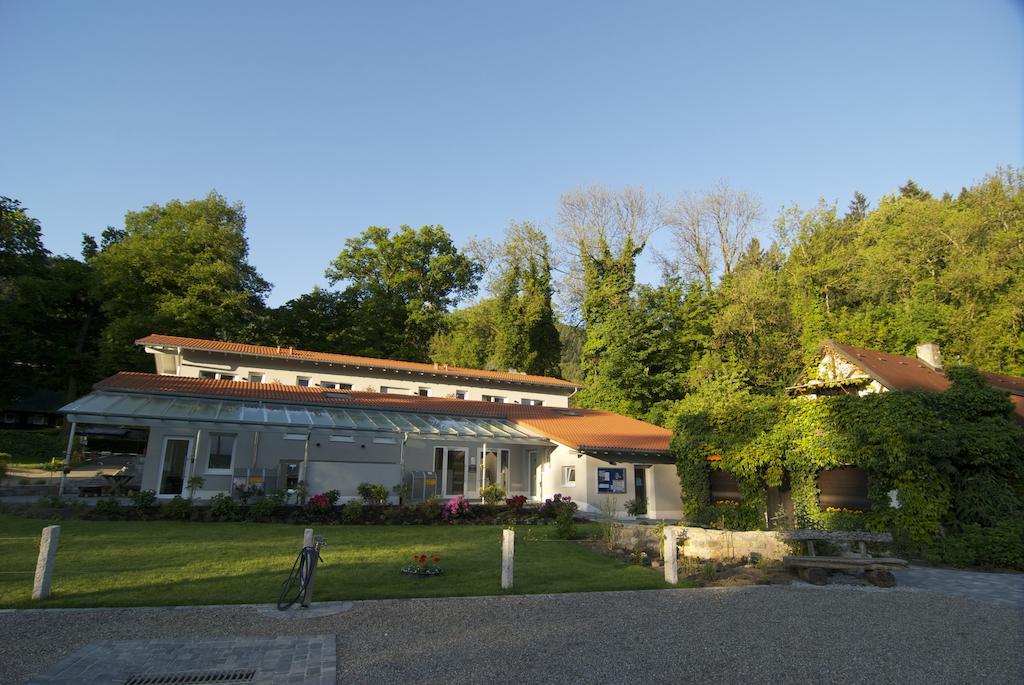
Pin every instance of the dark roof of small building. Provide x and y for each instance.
(897, 372)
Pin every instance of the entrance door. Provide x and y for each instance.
(174, 466)
(640, 485)
(455, 472)
(472, 479)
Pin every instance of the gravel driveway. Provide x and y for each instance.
(756, 634)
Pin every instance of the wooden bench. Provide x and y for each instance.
(91, 487)
(815, 569)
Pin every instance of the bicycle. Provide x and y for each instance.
(301, 577)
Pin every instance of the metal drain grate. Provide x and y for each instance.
(191, 678)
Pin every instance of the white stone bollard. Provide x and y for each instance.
(508, 552)
(670, 553)
(44, 565)
(307, 538)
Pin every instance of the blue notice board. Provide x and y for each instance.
(611, 480)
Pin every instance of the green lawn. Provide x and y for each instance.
(152, 563)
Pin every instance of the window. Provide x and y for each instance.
(217, 375)
(255, 377)
(844, 488)
(385, 441)
(302, 381)
(460, 394)
(531, 403)
(724, 486)
(493, 398)
(222, 449)
(10, 417)
(568, 476)
(38, 420)
(342, 438)
(423, 392)
(332, 385)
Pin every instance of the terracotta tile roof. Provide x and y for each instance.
(577, 428)
(352, 360)
(897, 372)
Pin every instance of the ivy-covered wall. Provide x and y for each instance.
(956, 459)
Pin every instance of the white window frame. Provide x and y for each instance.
(186, 472)
(530, 402)
(568, 482)
(209, 453)
(303, 381)
(423, 392)
(497, 399)
(393, 390)
(256, 377)
(216, 375)
(461, 394)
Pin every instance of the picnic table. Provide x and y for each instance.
(815, 569)
(117, 482)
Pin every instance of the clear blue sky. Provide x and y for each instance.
(325, 118)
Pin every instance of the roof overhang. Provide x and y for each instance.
(615, 456)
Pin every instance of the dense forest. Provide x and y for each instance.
(743, 302)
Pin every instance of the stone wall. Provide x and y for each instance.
(726, 544)
(702, 543)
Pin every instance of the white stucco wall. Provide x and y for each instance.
(287, 372)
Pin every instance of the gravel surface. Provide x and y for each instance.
(755, 634)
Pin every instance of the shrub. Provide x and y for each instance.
(636, 506)
(562, 510)
(456, 508)
(516, 503)
(430, 509)
(31, 447)
(265, 508)
(194, 483)
(372, 493)
(352, 511)
(318, 504)
(4, 460)
(332, 496)
(223, 508)
(492, 493)
(143, 499)
(178, 509)
(108, 507)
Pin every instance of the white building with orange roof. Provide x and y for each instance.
(267, 426)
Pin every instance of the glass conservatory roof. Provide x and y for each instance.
(131, 407)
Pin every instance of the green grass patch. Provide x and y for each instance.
(160, 563)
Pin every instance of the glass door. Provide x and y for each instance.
(534, 474)
(455, 472)
(174, 466)
(640, 484)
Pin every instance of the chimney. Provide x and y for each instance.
(930, 355)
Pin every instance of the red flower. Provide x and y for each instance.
(423, 558)
(436, 559)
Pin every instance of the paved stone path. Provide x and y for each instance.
(1005, 589)
(770, 634)
(294, 660)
